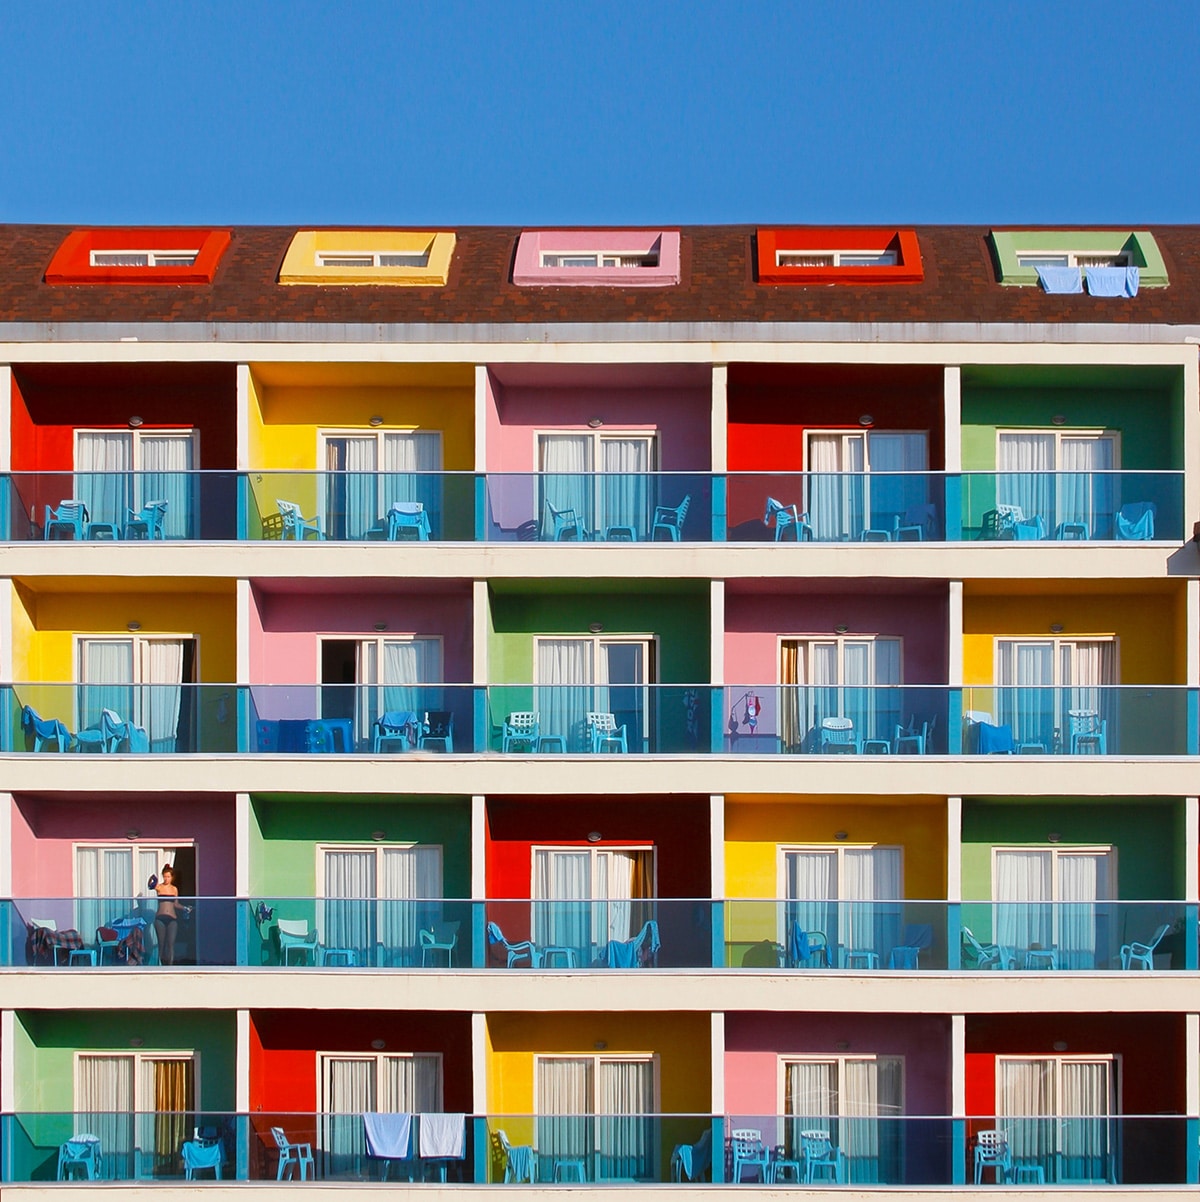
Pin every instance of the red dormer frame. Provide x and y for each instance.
(906, 270)
(72, 262)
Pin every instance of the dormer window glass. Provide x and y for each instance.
(143, 258)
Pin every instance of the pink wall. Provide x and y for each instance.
(284, 629)
(753, 625)
(754, 1042)
(45, 829)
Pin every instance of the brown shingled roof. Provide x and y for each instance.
(717, 286)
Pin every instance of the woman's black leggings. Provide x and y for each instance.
(164, 928)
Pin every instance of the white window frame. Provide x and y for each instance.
(1116, 1078)
(836, 258)
(597, 1059)
(1057, 643)
(139, 1058)
(363, 641)
(596, 853)
(850, 432)
(378, 849)
(137, 435)
(602, 259)
(783, 850)
(840, 640)
(841, 1059)
(1061, 433)
(340, 260)
(164, 850)
(1072, 258)
(1059, 852)
(648, 642)
(378, 1059)
(154, 258)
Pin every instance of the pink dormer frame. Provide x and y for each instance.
(529, 272)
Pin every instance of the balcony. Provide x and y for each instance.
(866, 1152)
(603, 935)
(687, 507)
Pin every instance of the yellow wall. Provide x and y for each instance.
(754, 831)
(1145, 627)
(681, 1042)
(44, 625)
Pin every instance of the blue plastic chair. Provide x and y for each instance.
(516, 952)
(1089, 732)
(392, 731)
(1141, 955)
(198, 1155)
(80, 1154)
(44, 730)
(407, 520)
(147, 523)
(522, 729)
(70, 516)
(107, 940)
(294, 936)
(296, 527)
(911, 738)
(691, 1161)
(993, 1151)
(670, 520)
(292, 1156)
(787, 517)
(821, 1157)
(907, 953)
(916, 524)
(837, 737)
(438, 937)
(604, 734)
(749, 1152)
(567, 526)
(520, 1160)
(1135, 521)
(438, 727)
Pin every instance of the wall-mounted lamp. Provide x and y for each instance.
(866, 419)
(134, 422)
(600, 1045)
(1058, 420)
(1059, 1045)
(136, 1041)
(595, 627)
(1053, 837)
(594, 836)
(595, 422)
(133, 833)
(133, 625)
(379, 1044)
(379, 836)
(840, 628)
(842, 1045)
(1056, 628)
(380, 625)
(840, 835)
(375, 420)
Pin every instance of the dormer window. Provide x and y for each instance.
(1070, 259)
(838, 256)
(1020, 255)
(395, 258)
(601, 258)
(143, 258)
(138, 256)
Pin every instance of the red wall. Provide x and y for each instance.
(51, 400)
(284, 1046)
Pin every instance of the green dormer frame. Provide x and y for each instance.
(1138, 245)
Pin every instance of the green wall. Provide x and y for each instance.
(46, 1043)
(285, 830)
(1150, 865)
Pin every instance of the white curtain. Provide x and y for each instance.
(1023, 892)
(410, 1085)
(103, 474)
(352, 493)
(626, 1102)
(348, 920)
(107, 672)
(348, 1090)
(892, 495)
(1086, 487)
(1028, 701)
(836, 464)
(625, 464)
(812, 890)
(104, 886)
(1083, 881)
(566, 480)
(161, 694)
(566, 1105)
(1087, 668)
(105, 1108)
(565, 674)
(1027, 1108)
(411, 463)
(166, 475)
(563, 877)
(409, 667)
(614, 884)
(410, 875)
(1026, 465)
(1085, 1096)
(871, 876)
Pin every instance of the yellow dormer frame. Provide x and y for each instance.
(303, 262)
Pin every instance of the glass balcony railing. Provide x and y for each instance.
(602, 934)
(610, 719)
(968, 936)
(594, 507)
(522, 1150)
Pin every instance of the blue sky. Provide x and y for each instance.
(529, 113)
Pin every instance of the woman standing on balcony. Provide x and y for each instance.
(166, 920)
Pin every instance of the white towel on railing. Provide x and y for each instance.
(389, 1136)
(444, 1135)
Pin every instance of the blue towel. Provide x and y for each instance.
(1132, 278)
(1106, 281)
(520, 1162)
(389, 1136)
(1135, 521)
(1062, 280)
(994, 740)
(798, 949)
(622, 953)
